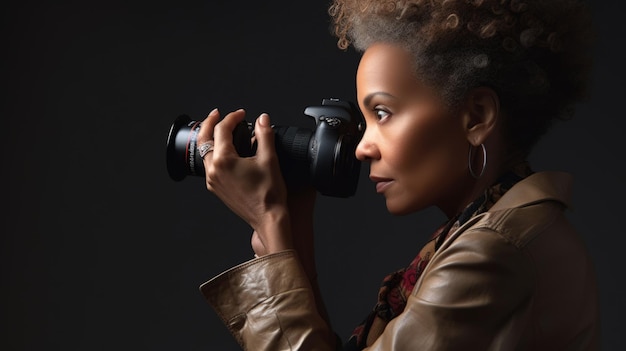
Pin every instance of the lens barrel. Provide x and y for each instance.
(182, 153)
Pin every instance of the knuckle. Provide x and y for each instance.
(219, 165)
(211, 174)
(220, 162)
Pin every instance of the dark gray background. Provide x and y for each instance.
(101, 250)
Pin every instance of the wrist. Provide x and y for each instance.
(275, 231)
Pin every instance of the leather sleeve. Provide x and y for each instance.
(472, 296)
(268, 304)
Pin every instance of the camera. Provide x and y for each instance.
(322, 156)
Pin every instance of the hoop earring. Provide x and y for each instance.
(469, 161)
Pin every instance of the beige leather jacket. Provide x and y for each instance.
(517, 277)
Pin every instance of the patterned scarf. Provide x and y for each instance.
(397, 286)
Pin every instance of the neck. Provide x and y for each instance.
(471, 188)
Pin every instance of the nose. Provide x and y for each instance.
(366, 150)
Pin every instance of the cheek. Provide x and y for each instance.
(430, 159)
(430, 142)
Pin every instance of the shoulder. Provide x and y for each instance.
(517, 226)
(533, 206)
(495, 246)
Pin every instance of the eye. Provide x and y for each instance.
(381, 114)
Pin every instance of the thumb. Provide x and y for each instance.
(264, 135)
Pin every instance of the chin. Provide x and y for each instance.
(397, 208)
(405, 204)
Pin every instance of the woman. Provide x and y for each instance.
(455, 94)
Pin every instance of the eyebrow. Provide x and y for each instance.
(369, 97)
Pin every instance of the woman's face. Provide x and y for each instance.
(416, 145)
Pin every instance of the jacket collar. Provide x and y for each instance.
(537, 187)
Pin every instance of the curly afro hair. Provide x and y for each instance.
(536, 54)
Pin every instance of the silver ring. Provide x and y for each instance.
(205, 148)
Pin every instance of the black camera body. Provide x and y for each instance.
(323, 157)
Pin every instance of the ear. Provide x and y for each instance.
(482, 111)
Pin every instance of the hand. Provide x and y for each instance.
(252, 187)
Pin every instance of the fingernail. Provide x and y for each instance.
(264, 119)
(214, 111)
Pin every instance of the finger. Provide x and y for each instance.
(205, 136)
(264, 137)
(207, 126)
(223, 132)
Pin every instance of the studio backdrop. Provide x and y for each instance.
(100, 249)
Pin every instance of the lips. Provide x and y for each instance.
(381, 183)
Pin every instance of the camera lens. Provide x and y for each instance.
(183, 158)
(182, 155)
